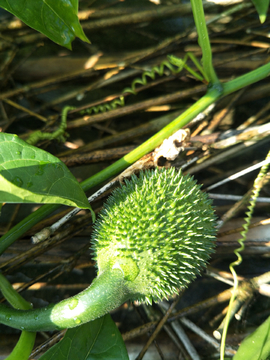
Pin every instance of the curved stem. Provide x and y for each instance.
(107, 292)
(11, 295)
(25, 344)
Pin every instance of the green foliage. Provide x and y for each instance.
(58, 20)
(32, 175)
(28, 174)
(96, 340)
(257, 345)
(261, 7)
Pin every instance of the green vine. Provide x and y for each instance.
(255, 193)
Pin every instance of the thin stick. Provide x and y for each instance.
(238, 174)
(48, 231)
(157, 330)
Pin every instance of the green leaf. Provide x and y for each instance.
(32, 175)
(97, 340)
(257, 345)
(261, 7)
(57, 19)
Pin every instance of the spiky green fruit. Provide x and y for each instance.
(159, 230)
(154, 235)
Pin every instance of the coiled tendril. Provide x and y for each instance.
(255, 193)
(174, 64)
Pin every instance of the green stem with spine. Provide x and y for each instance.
(107, 292)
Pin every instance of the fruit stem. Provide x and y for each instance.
(107, 292)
